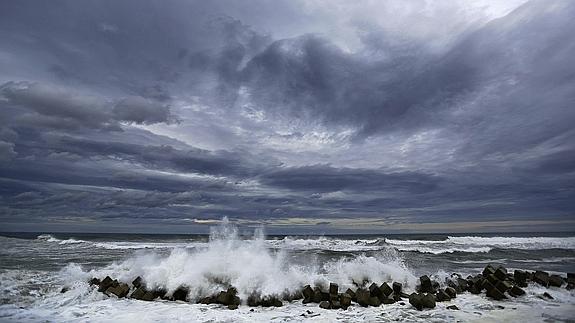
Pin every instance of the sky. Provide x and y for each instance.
(312, 116)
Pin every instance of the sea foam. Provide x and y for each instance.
(51, 238)
(474, 244)
(250, 265)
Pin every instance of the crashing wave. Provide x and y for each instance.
(51, 238)
(437, 251)
(474, 244)
(325, 243)
(47, 238)
(247, 264)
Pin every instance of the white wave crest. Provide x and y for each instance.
(51, 238)
(437, 251)
(47, 238)
(71, 241)
(482, 244)
(324, 243)
(125, 245)
(249, 265)
(532, 243)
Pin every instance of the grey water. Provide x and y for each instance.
(35, 266)
(421, 252)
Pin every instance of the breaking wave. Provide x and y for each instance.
(464, 244)
(325, 243)
(475, 244)
(143, 245)
(250, 265)
(121, 245)
(437, 251)
(50, 238)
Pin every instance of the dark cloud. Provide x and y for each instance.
(311, 78)
(141, 111)
(54, 105)
(560, 162)
(163, 112)
(323, 178)
(7, 152)
(240, 164)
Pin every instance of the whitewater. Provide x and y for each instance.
(44, 277)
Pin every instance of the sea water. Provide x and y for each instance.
(35, 267)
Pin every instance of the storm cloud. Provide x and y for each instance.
(63, 106)
(149, 112)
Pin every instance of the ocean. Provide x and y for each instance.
(34, 267)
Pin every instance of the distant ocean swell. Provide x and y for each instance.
(469, 244)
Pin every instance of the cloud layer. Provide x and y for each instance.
(129, 115)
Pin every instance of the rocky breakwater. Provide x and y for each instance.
(495, 282)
